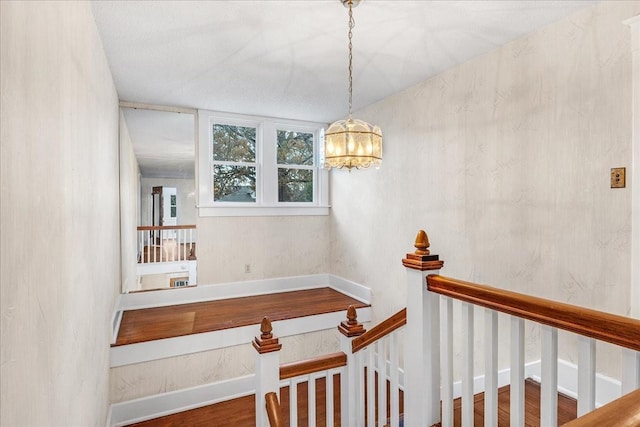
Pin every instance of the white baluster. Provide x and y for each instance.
(382, 382)
(491, 369)
(329, 398)
(360, 406)
(517, 373)
(446, 360)
(293, 404)
(311, 400)
(586, 375)
(394, 380)
(631, 367)
(371, 385)
(549, 386)
(467, 365)
(190, 241)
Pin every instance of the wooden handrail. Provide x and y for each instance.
(316, 364)
(611, 328)
(166, 227)
(622, 412)
(273, 410)
(379, 331)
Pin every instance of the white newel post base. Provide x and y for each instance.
(422, 339)
(349, 329)
(267, 370)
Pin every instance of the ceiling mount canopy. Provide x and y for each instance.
(352, 143)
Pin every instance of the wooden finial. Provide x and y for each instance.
(422, 259)
(422, 243)
(266, 342)
(351, 327)
(266, 329)
(352, 316)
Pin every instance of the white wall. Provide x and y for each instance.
(272, 246)
(129, 207)
(60, 253)
(505, 162)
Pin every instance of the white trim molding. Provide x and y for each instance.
(266, 168)
(634, 24)
(158, 405)
(187, 344)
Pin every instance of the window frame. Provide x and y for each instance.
(243, 123)
(267, 166)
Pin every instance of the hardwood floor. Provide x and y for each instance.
(240, 412)
(567, 407)
(178, 320)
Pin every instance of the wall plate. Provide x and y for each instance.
(618, 177)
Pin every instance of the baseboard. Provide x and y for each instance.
(219, 291)
(352, 289)
(607, 389)
(159, 405)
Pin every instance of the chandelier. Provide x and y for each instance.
(352, 143)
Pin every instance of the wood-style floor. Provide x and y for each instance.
(241, 412)
(184, 319)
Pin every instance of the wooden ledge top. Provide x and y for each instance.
(422, 265)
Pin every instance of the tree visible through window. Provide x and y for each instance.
(234, 163)
(295, 166)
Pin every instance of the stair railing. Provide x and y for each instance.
(166, 243)
(274, 413)
(272, 378)
(371, 359)
(435, 333)
(372, 394)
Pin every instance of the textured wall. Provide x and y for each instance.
(175, 373)
(273, 246)
(505, 162)
(60, 253)
(129, 207)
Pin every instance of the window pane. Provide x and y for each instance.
(295, 185)
(234, 183)
(234, 143)
(295, 148)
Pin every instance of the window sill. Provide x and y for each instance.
(207, 211)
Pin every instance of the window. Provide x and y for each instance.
(295, 166)
(253, 166)
(234, 163)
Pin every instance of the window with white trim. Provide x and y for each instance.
(254, 166)
(234, 163)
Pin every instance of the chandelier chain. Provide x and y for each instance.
(351, 25)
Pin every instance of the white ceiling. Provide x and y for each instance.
(163, 142)
(287, 59)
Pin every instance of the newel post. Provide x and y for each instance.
(349, 329)
(422, 338)
(267, 369)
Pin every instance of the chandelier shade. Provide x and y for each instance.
(352, 143)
